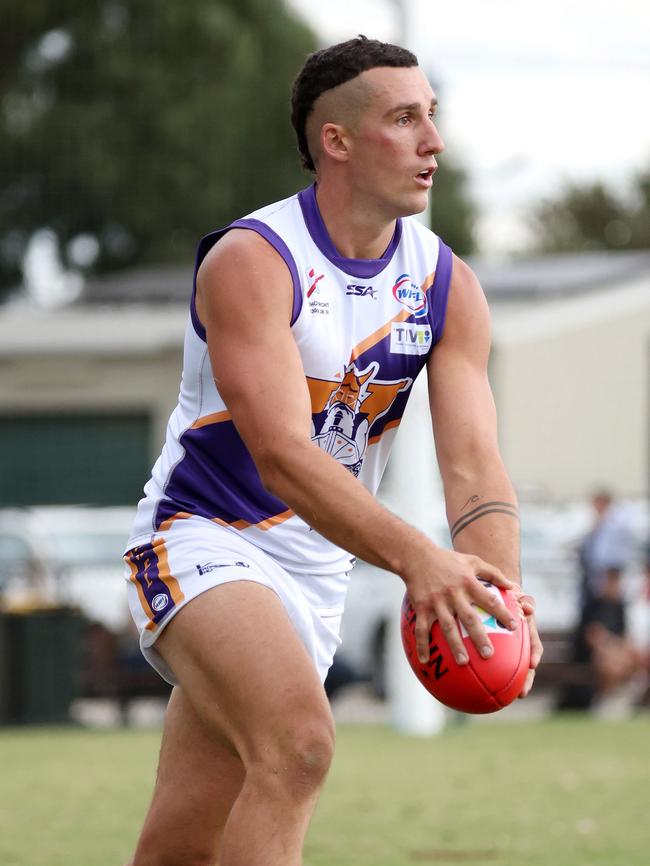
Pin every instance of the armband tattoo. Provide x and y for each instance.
(487, 508)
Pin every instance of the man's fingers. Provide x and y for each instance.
(495, 605)
(472, 622)
(528, 684)
(423, 623)
(493, 574)
(449, 628)
(536, 648)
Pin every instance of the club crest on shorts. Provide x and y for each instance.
(159, 602)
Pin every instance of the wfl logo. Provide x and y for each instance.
(360, 291)
(410, 296)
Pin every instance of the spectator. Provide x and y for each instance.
(608, 545)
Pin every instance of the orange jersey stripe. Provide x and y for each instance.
(180, 515)
(141, 595)
(265, 524)
(395, 423)
(378, 335)
(215, 418)
(164, 573)
(382, 332)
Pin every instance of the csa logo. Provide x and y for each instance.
(159, 602)
(360, 291)
(410, 296)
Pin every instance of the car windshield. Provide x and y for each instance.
(79, 548)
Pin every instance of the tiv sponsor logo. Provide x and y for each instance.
(207, 567)
(410, 296)
(360, 291)
(408, 339)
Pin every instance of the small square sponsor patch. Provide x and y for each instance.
(410, 339)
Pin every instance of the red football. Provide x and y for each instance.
(482, 685)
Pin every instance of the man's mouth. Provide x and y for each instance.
(426, 175)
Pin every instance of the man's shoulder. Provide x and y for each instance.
(274, 209)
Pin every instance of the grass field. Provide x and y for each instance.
(565, 792)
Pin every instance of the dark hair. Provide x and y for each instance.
(332, 66)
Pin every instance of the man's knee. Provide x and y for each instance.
(298, 762)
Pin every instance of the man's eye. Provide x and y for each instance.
(404, 119)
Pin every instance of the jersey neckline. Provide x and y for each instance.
(363, 268)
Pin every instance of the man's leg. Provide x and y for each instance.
(250, 681)
(198, 780)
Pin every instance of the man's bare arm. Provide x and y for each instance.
(482, 507)
(244, 298)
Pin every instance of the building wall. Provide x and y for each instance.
(78, 382)
(572, 387)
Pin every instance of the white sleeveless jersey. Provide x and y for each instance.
(364, 329)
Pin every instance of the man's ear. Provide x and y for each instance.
(335, 142)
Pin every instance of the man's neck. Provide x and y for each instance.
(355, 231)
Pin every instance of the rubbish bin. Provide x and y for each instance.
(39, 652)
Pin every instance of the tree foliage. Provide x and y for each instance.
(593, 217)
(453, 213)
(142, 125)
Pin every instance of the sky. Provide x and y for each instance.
(532, 95)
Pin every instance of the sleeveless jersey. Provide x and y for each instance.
(364, 329)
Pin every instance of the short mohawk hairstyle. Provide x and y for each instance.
(332, 66)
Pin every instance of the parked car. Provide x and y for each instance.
(51, 556)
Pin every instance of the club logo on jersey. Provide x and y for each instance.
(313, 281)
(360, 291)
(343, 413)
(409, 339)
(411, 296)
(159, 602)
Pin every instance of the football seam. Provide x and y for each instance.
(509, 683)
(470, 667)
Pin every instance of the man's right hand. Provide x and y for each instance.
(446, 587)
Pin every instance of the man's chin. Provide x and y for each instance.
(416, 204)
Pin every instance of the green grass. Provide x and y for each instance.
(565, 792)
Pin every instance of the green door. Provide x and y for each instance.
(70, 459)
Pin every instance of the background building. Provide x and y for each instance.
(86, 390)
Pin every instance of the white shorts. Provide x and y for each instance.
(170, 568)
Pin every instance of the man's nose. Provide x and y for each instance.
(432, 142)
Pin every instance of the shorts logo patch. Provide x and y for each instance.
(207, 567)
(159, 602)
(409, 339)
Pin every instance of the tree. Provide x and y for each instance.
(453, 213)
(139, 125)
(592, 217)
(142, 124)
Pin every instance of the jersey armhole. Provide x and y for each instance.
(205, 245)
(440, 290)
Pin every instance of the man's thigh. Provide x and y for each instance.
(245, 671)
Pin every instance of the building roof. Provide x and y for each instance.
(551, 277)
(534, 278)
(140, 286)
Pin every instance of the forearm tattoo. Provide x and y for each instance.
(493, 507)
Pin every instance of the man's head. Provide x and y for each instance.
(328, 69)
